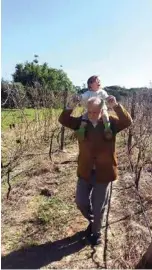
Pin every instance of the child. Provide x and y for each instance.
(94, 90)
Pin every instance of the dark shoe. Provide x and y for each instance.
(95, 239)
(88, 231)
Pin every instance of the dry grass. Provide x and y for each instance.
(34, 224)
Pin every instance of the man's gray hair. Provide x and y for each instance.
(96, 101)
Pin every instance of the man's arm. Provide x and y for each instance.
(122, 119)
(69, 121)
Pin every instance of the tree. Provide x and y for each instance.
(138, 137)
(117, 91)
(31, 73)
(12, 94)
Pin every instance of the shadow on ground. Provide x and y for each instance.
(35, 257)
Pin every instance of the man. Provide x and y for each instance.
(97, 164)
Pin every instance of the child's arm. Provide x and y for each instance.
(104, 94)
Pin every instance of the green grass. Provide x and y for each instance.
(17, 116)
(13, 116)
(51, 209)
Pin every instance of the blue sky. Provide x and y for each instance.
(110, 38)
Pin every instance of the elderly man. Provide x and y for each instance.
(97, 164)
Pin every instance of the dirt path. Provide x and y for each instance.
(41, 225)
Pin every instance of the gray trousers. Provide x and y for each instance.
(91, 199)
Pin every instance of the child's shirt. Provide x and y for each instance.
(102, 94)
(83, 98)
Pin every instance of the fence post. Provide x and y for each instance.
(133, 106)
(63, 128)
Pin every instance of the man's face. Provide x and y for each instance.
(95, 86)
(94, 112)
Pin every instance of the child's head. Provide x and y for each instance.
(94, 83)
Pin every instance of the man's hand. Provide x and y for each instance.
(112, 102)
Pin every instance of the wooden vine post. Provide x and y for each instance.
(63, 128)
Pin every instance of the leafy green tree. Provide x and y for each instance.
(32, 73)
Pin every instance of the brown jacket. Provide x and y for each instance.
(94, 149)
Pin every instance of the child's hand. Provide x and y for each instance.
(73, 102)
(112, 102)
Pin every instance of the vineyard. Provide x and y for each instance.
(41, 226)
